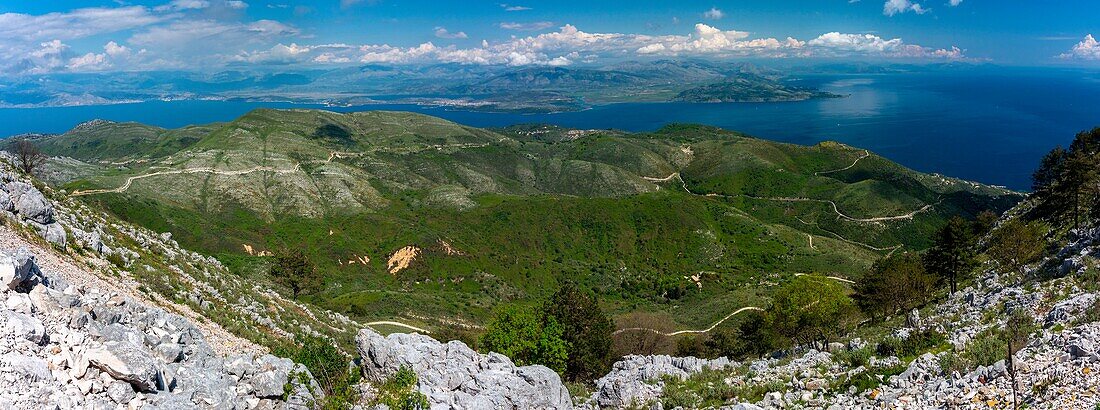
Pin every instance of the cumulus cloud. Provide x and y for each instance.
(442, 32)
(511, 7)
(836, 44)
(236, 4)
(1088, 49)
(954, 3)
(892, 7)
(714, 14)
(535, 26)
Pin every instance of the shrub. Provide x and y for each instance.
(854, 357)
(329, 367)
(916, 344)
(1017, 243)
(399, 392)
(527, 337)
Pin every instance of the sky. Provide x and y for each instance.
(65, 36)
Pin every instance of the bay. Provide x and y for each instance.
(991, 126)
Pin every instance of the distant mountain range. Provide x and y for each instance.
(488, 88)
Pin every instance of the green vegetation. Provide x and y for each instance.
(349, 190)
(587, 332)
(809, 310)
(292, 269)
(953, 257)
(895, 284)
(1017, 243)
(709, 389)
(750, 88)
(330, 368)
(1066, 181)
(399, 392)
(527, 337)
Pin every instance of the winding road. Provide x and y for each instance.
(908, 216)
(866, 154)
(683, 332)
(203, 170)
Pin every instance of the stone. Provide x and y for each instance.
(29, 202)
(452, 375)
(18, 270)
(128, 362)
(120, 392)
(23, 326)
(32, 368)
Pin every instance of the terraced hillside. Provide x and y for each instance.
(435, 223)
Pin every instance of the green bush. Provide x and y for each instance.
(709, 389)
(527, 337)
(854, 357)
(916, 344)
(399, 392)
(329, 367)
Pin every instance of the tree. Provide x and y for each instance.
(1017, 243)
(587, 329)
(1047, 174)
(294, 270)
(527, 337)
(896, 283)
(952, 257)
(1067, 183)
(811, 309)
(27, 156)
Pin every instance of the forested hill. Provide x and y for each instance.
(416, 217)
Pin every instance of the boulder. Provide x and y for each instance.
(6, 203)
(18, 270)
(31, 368)
(452, 375)
(1067, 310)
(127, 362)
(22, 326)
(637, 379)
(29, 202)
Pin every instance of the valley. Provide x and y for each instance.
(685, 222)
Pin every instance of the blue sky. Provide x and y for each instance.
(102, 36)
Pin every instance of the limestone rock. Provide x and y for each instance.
(452, 375)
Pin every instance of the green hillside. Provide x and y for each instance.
(688, 220)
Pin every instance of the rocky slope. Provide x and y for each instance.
(69, 345)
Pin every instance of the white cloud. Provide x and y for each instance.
(535, 26)
(236, 4)
(78, 23)
(954, 3)
(836, 44)
(442, 32)
(510, 7)
(184, 5)
(892, 7)
(714, 14)
(1088, 49)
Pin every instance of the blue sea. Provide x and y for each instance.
(990, 125)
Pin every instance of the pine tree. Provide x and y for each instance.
(952, 257)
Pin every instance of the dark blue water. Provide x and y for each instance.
(989, 126)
